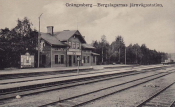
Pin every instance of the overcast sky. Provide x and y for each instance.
(153, 26)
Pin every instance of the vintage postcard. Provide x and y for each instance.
(88, 53)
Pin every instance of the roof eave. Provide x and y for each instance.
(54, 44)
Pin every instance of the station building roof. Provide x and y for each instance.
(59, 38)
(51, 39)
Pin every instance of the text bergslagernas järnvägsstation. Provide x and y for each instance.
(113, 5)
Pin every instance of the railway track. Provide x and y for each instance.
(37, 74)
(6, 94)
(55, 83)
(163, 98)
(10, 93)
(13, 80)
(85, 98)
(52, 73)
(10, 81)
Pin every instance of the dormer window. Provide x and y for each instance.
(78, 45)
(74, 45)
(70, 44)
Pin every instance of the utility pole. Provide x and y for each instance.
(119, 50)
(77, 22)
(39, 41)
(106, 55)
(102, 54)
(136, 57)
(119, 55)
(125, 55)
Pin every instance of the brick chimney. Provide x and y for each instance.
(50, 29)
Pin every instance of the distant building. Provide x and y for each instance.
(171, 56)
(61, 49)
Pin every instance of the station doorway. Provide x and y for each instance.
(43, 59)
(70, 60)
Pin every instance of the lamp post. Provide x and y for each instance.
(39, 41)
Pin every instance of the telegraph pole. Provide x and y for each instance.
(119, 50)
(125, 55)
(136, 57)
(119, 55)
(39, 41)
(102, 55)
(77, 22)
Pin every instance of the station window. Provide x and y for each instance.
(74, 45)
(74, 59)
(56, 59)
(70, 44)
(62, 59)
(78, 46)
(84, 58)
(87, 59)
(94, 59)
(27, 59)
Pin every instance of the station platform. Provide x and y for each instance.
(57, 69)
(69, 78)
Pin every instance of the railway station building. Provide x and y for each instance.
(65, 49)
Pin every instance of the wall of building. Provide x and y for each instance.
(74, 51)
(85, 55)
(47, 60)
(46, 52)
(45, 46)
(93, 59)
(59, 52)
(74, 39)
(54, 53)
(73, 60)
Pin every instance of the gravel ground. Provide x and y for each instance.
(35, 100)
(133, 96)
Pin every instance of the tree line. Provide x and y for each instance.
(117, 52)
(17, 41)
(22, 38)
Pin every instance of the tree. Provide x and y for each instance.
(18, 40)
(118, 47)
(104, 46)
(130, 54)
(4, 34)
(138, 53)
(102, 49)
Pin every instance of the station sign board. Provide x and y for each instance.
(27, 60)
(73, 53)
